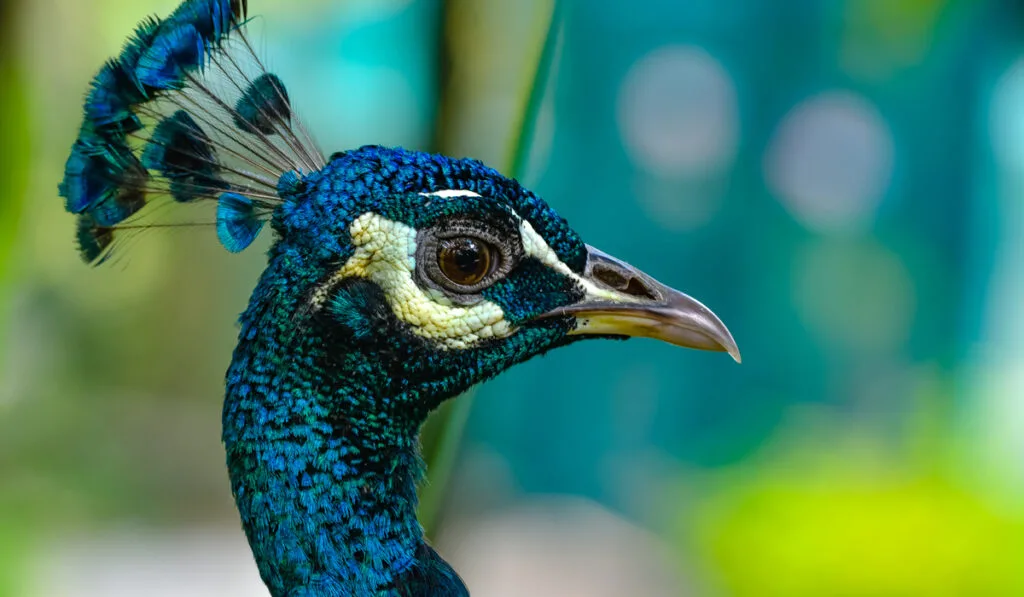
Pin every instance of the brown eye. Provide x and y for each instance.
(463, 260)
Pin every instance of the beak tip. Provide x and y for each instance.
(729, 346)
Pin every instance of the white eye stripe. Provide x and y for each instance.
(535, 246)
(451, 193)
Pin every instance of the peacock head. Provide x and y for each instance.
(444, 272)
(423, 273)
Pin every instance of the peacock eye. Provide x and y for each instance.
(460, 258)
(464, 261)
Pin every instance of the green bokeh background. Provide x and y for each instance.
(841, 181)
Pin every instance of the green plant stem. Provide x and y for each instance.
(451, 420)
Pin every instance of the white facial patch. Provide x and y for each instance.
(449, 193)
(386, 254)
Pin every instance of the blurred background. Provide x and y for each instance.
(840, 180)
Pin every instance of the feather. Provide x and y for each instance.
(359, 308)
(238, 223)
(264, 106)
(109, 104)
(180, 113)
(105, 181)
(211, 18)
(177, 51)
(140, 41)
(181, 151)
(93, 240)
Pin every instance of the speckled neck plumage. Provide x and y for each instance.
(323, 471)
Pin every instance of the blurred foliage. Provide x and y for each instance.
(15, 152)
(15, 146)
(834, 513)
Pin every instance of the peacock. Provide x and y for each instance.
(397, 279)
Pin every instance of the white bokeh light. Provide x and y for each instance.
(677, 113)
(1006, 119)
(558, 546)
(857, 295)
(997, 363)
(831, 162)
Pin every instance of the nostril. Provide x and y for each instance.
(637, 288)
(609, 277)
(624, 283)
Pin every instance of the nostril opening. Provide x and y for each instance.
(626, 284)
(637, 288)
(609, 277)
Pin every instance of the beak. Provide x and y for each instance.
(623, 301)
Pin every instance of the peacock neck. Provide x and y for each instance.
(323, 468)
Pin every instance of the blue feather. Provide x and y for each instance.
(93, 239)
(109, 104)
(105, 181)
(182, 152)
(109, 177)
(290, 185)
(237, 222)
(177, 51)
(264, 105)
(359, 307)
(140, 41)
(211, 18)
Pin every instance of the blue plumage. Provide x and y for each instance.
(105, 181)
(397, 280)
(264, 106)
(93, 240)
(238, 222)
(181, 151)
(178, 51)
(212, 19)
(106, 178)
(115, 91)
(141, 40)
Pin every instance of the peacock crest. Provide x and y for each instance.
(186, 114)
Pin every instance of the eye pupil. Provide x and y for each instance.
(463, 260)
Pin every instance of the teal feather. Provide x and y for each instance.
(105, 181)
(110, 180)
(238, 222)
(181, 151)
(264, 106)
(109, 106)
(93, 240)
(212, 19)
(175, 53)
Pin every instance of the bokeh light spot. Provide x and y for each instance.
(1006, 118)
(677, 113)
(831, 162)
(855, 295)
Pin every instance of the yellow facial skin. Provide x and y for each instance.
(385, 254)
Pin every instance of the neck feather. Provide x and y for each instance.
(323, 467)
